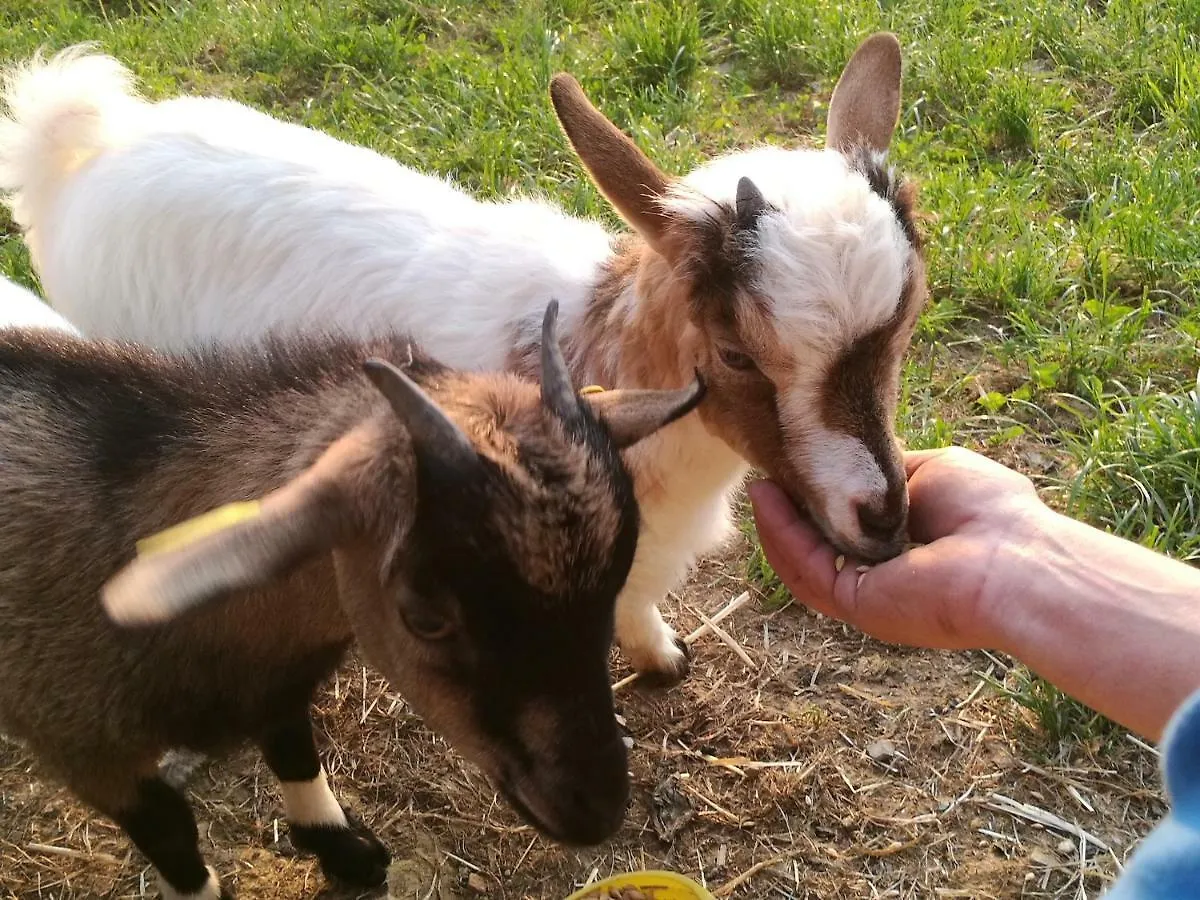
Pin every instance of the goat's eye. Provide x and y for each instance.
(429, 625)
(735, 359)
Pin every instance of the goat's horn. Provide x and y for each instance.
(750, 203)
(558, 395)
(429, 427)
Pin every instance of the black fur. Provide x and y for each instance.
(514, 664)
(154, 398)
(721, 258)
(136, 440)
(289, 750)
(353, 855)
(162, 827)
(222, 714)
(891, 187)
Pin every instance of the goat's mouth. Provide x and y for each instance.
(525, 811)
(863, 548)
(574, 831)
(871, 552)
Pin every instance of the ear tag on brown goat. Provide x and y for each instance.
(591, 389)
(201, 526)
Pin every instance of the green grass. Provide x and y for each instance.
(773, 594)
(1139, 470)
(1056, 722)
(1056, 143)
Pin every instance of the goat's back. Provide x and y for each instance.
(101, 445)
(210, 221)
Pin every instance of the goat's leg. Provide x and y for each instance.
(155, 816)
(346, 848)
(667, 546)
(160, 823)
(648, 642)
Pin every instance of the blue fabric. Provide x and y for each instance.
(1167, 864)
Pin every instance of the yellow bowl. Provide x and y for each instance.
(654, 884)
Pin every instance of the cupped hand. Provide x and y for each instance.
(972, 516)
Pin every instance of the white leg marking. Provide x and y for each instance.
(312, 803)
(210, 891)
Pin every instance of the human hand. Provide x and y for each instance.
(974, 517)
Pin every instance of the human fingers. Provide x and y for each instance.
(953, 489)
(914, 459)
(926, 597)
(799, 554)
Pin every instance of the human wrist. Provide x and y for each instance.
(1109, 622)
(1023, 576)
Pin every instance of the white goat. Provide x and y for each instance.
(791, 279)
(22, 308)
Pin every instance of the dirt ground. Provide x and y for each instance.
(834, 766)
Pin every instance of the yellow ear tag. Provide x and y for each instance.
(201, 526)
(591, 389)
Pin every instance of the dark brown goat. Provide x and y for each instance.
(469, 531)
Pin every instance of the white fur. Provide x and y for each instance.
(21, 308)
(685, 480)
(210, 891)
(207, 221)
(59, 117)
(832, 258)
(312, 803)
(848, 472)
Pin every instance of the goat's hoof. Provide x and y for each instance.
(352, 855)
(212, 889)
(669, 670)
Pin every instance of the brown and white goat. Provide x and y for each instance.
(468, 531)
(792, 278)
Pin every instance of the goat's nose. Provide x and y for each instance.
(592, 816)
(592, 800)
(881, 525)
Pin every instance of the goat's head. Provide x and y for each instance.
(801, 276)
(479, 542)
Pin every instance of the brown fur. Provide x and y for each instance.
(865, 104)
(103, 444)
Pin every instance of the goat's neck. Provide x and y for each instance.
(636, 333)
(268, 441)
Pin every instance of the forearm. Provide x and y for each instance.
(1112, 624)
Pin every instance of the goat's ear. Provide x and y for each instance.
(624, 174)
(206, 558)
(865, 106)
(631, 415)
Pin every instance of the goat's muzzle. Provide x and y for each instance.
(580, 803)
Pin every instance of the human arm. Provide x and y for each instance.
(1113, 624)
